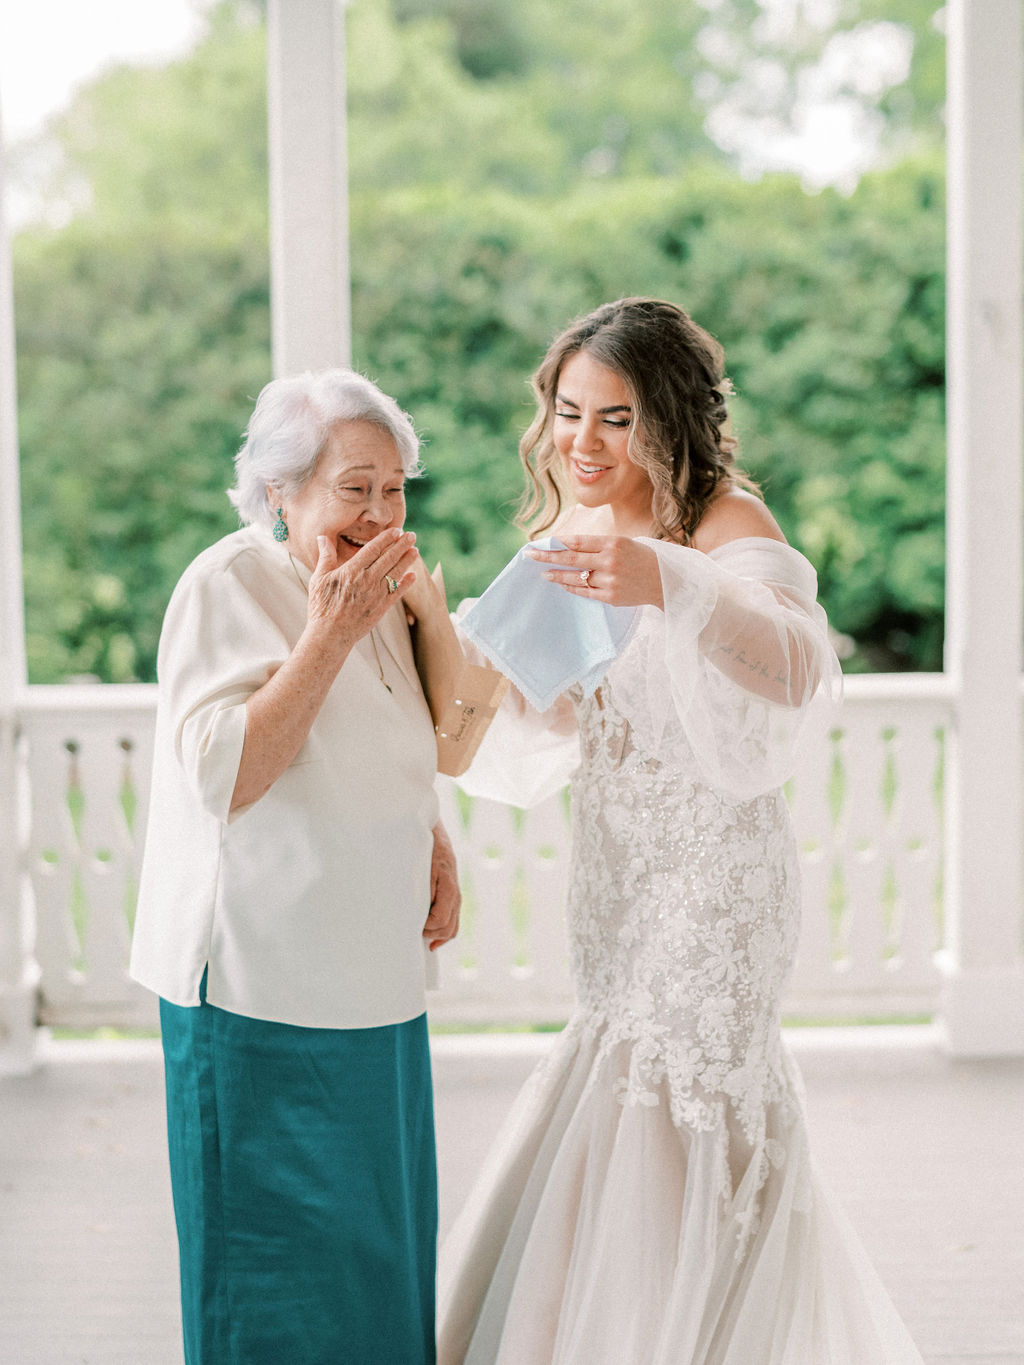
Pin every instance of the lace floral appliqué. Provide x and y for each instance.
(683, 915)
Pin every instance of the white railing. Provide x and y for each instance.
(86, 754)
(867, 805)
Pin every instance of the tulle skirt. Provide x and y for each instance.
(599, 1232)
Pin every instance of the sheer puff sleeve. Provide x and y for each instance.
(737, 670)
(526, 755)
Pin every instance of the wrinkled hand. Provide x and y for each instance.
(352, 597)
(445, 897)
(620, 571)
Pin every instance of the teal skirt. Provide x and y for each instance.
(305, 1190)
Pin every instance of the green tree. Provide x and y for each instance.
(589, 88)
(830, 310)
(180, 147)
(136, 376)
(143, 338)
(879, 65)
(505, 178)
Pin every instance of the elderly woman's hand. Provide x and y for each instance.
(445, 897)
(346, 600)
(354, 595)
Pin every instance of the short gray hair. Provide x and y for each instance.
(289, 428)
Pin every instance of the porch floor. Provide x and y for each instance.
(923, 1151)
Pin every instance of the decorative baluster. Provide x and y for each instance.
(458, 961)
(52, 857)
(106, 863)
(816, 818)
(545, 876)
(867, 837)
(82, 856)
(495, 855)
(917, 852)
(865, 805)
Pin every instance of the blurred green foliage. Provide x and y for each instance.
(511, 167)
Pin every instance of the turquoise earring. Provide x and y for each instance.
(280, 528)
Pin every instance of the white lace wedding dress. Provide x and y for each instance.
(651, 1200)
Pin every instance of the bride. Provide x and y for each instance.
(651, 1200)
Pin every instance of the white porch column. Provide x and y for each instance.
(309, 277)
(983, 1008)
(17, 976)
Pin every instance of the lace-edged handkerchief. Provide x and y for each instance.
(542, 638)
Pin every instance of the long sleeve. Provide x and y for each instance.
(736, 668)
(526, 755)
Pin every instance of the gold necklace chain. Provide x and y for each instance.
(373, 642)
(380, 666)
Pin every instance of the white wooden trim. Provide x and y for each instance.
(17, 975)
(984, 1001)
(309, 275)
(12, 613)
(866, 802)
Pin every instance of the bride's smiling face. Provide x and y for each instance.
(592, 422)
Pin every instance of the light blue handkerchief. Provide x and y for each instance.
(542, 638)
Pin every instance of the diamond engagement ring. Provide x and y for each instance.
(391, 582)
(585, 577)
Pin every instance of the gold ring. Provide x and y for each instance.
(391, 582)
(585, 578)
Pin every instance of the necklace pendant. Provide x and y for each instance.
(380, 666)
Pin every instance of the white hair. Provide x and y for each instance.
(289, 428)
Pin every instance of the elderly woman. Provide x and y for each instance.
(294, 867)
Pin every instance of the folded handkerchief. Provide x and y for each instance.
(542, 638)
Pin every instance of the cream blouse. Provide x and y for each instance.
(307, 906)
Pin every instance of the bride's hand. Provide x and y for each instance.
(612, 569)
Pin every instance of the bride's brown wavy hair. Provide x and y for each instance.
(675, 374)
